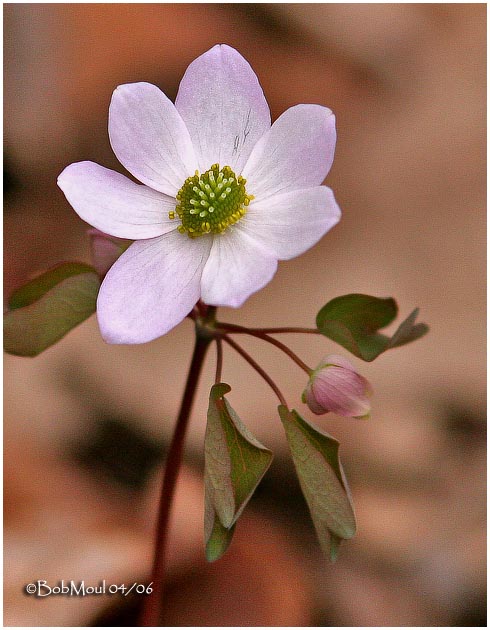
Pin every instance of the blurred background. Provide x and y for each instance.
(87, 424)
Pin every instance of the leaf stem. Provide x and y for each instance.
(257, 332)
(257, 368)
(153, 607)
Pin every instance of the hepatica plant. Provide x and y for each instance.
(224, 195)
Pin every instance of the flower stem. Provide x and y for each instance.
(153, 604)
(269, 331)
(257, 332)
(257, 368)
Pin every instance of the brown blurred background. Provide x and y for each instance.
(87, 424)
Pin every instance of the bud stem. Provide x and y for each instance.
(257, 368)
(260, 334)
(270, 331)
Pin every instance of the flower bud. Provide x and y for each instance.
(105, 250)
(336, 386)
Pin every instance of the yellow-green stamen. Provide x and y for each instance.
(211, 202)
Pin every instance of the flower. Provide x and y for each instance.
(224, 194)
(335, 386)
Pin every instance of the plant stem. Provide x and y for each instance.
(257, 332)
(219, 360)
(153, 604)
(257, 368)
(286, 350)
(268, 331)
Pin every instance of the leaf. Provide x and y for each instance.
(235, 461)
(316, 459)
(335, 542)
(48, 307)
(353, 321)
(36, 288)
(217, 537)
(408, 331)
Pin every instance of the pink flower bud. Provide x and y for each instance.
(105, 250)
(336, 386)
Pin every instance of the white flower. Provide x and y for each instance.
(224, 194)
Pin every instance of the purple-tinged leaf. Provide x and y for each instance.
(46, 308)
(37, 287)
(235, 461)
(316, 459)
(217, 538)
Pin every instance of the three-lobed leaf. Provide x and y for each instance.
(235, 462)
(353, 321)
(408, 331)
(316, 459)
(49, 306)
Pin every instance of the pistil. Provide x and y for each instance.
(211, 202)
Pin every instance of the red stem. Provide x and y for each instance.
(219, 360)
(153, 606)
(269, 331)
(257, 368)
(257, 332)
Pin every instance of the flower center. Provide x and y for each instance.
(211, 202)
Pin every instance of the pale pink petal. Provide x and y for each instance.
(343, 392)
(337, 387)
(236, 268)
(308, 397)
(296, 153)
(150, 138)
(114, 204)
(224, 108)
(342, 362)
(290, 223)
(151, 288)
(338, 360)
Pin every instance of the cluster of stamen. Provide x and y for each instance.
(211, 202)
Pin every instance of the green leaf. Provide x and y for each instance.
(48, 307)
(353, 321)
(36, 288)
(235, 461)
(335, 542)
(217, 538)
(408, 331)
(316, 458)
